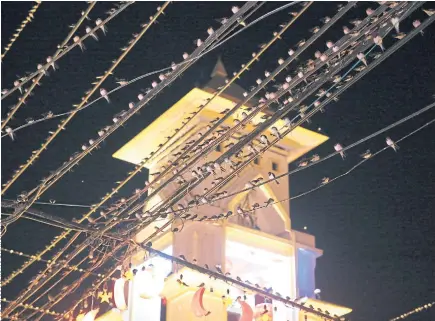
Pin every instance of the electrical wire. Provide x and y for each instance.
(356, 165)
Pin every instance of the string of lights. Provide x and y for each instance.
(414, 311)
(39, 77)
(101, 24)
(77, 282)
(51, 117)
(39, 259)
(24, 23)
(46, 292)
(32, 307)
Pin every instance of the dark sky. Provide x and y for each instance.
(375, 225)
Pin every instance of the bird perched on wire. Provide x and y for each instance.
(338, 148)
(10, 132)
(99, 23)
(104, 94)
(392, 144)
(272, 176)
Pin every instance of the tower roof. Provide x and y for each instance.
(297, 143)
(217, 80)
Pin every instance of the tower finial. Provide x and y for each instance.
(219, 69)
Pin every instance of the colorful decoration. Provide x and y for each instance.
(128, 275)
(227, 301)
(120, 294)
(104, 296)
(247, 313)
(263, 312)
(197, 304)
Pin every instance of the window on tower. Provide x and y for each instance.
(218, 148)
(274, 166)
(257, 161)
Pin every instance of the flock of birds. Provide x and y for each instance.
(190, 166)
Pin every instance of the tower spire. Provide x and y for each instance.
(219, 69)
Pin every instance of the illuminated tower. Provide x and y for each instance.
(260, 247)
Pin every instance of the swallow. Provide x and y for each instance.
(338, 148)
(78, 41)
(10, 132)
(429, 12)
(367, 154)
(378, 41)
(99, 23)
(272, 176)
(269, 201)
(391, 144)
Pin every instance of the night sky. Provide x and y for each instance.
(375, 225)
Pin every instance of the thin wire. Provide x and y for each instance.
(42, 119)
(21, 28)
(359, 163)
(56, 54)
(46, 222)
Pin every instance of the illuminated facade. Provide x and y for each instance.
(260, 247)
